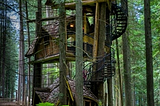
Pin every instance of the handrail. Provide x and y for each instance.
(118, 23)
(103, 63)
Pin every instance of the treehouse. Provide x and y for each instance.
(50, 94)
(45, 47)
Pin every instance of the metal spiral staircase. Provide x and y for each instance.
(120, 21)
(105, 64)
(100, 70)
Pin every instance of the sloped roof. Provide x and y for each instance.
(52, 96)
(51, 29)
(86, 92)
(31, 49)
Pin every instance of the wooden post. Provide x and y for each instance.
(96, 29)
(37, 71)
(37, 74)
(85, 31)
(95, 46)
(84, 23)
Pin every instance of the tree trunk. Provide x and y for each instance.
(108, 50)
(79, 55)
(21, 85)
(37, 78)
(0, 54)
(127, 71)
(37, 70)
(3, 52)
(29, 66)
(119, 75)
(101, 45)
(149, 62)
(62, 59)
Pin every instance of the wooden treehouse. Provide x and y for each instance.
(45, 47)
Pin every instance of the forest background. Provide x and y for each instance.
(9, 48)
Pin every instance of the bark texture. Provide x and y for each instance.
(79, 55)
(62, 58)
(149, 61)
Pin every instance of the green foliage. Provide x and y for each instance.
(45, 104)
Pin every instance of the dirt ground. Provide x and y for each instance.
(9, 104)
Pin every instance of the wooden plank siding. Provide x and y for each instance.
(45, 50)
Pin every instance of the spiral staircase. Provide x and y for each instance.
(119, 25)
(101, 69)
(104, 67)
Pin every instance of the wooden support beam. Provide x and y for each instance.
(85, 23)
(84, 2)
(95, 46)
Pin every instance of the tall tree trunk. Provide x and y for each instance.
(126, 60)
(62, 59)
(119, 75)
(127, 71)
(79, 55)
(109, 42)
(21, 86)
(37, 71)
(149, 62)
(3, 51)
(1, 36)
(101, 45)
(29, 66)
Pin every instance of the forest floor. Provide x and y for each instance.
(9, 104)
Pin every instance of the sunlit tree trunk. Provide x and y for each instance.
(62, 59)
(79, 54)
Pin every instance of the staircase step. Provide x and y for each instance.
(121, 19)
(121, 26)
(122, 23)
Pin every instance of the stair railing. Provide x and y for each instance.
(118, 19)
(101, 63)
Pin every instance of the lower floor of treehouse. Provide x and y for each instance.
(51, 94)
(47, 80)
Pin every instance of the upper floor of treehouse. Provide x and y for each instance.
(45, 47)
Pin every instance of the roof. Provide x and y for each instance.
(52, 95)
(51, 30)
(31, 49)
